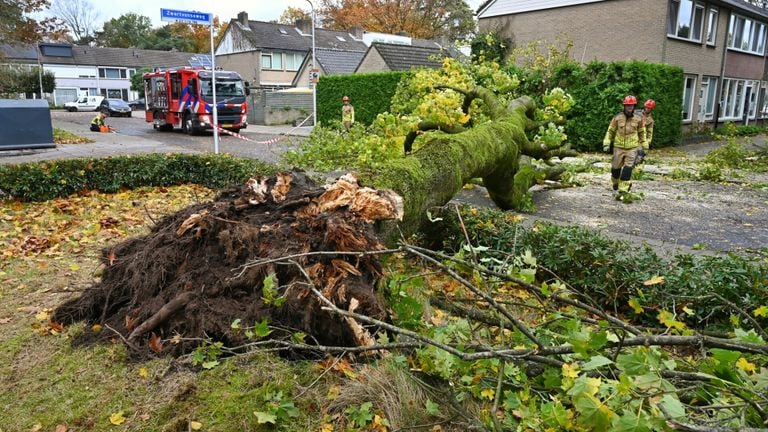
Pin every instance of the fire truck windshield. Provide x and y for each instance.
(225, 89)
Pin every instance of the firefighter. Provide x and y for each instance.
(626, 135)
(347, 113)
(648, 107)
(98, 122)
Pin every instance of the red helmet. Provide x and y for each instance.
(345, 98)
(650, 104)
(630, 100)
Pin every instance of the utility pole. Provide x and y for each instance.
(313, 83)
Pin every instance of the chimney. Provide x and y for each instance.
(356, 32)
(304, 26)
(242, 17)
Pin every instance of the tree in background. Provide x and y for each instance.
(165, 39)
(14, 81)
(17, 27)
(137, 80)
(79, 16)
(291, 14)
(418, 18)
(125, 31)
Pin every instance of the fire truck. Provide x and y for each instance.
(183, 98)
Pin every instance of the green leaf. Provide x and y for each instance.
(261, 329)
(594, 414)
(630, 422)
(235, 324)
(554, 414)
(433, 409)
(265, 417)
(635, 363)
(596, 362)
(672, 407)
(210, 364)
(750, 336)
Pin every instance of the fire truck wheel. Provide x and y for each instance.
(188, 127)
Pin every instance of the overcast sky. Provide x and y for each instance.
(259, 10)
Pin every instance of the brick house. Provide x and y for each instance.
(720, 44)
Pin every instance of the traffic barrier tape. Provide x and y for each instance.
(269, 141)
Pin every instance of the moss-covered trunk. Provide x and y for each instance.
(432, 175)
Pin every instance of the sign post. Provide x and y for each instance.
(194, 17)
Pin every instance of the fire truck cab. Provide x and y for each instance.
(183, 98)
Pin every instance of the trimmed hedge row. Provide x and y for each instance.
(599, 89)
(370, 94)
(611, 272)
(40, 181)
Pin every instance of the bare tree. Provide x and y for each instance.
(80, 16)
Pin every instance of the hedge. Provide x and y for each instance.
(40, 181)
(599, 88)
(370, 94)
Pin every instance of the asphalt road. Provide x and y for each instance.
(137, 126)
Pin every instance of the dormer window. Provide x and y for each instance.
(283, 31)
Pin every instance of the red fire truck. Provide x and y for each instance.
(183, 98)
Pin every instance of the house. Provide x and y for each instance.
(382, 57)
(270, 55)
(329, 62)
(719, 44)
(18, 56)
(104, 71)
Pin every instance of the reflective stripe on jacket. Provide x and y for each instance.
(348, 113)
(626, 132)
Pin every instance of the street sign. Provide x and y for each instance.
(314, 76)
(191, 17)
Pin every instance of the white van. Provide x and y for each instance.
(84, 103)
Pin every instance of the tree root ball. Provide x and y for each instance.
(204, 267)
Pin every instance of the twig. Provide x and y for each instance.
(517, 323)
(335, 362)
(125, 341)
(146, 210)
(743, 313)
(290, 258)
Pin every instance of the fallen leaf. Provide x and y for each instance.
(143, 372)
(117, 418)
(111, 257)
(144, 417)
(155, 343)
(36, 428)
(654, 280)
(5, 320)
(96, 328)
(61, 428)
(195, 425)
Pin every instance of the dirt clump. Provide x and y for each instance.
(206, 266)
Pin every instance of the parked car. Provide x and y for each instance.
(137, 104)
(84, 103)
(115, 108)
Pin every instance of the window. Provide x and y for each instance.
(712, 26)
(112, 73)
(685, 19)
(746, 35)
(734, 97)
(690, 84)
(272, 61)
(293, 61)
(708, 97)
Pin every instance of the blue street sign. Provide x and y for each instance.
(186, 16)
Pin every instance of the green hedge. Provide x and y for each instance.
(370, 94)
(610, 272)
(599, 88)
(40, 181)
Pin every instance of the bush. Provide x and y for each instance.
(42, 181)
(598, 89)
(611, 272)
(370, 94)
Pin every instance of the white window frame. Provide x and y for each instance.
(688, 93)
(712, 16)
(696, 13)
(293, 61)
(275, 61)
(746, 35)
(732, 98)
(711, 97)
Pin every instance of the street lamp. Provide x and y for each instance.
(312, 82)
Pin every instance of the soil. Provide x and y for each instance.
(196, 272)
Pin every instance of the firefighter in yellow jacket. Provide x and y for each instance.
(626, 134)
(347, 113)
(647, 115)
